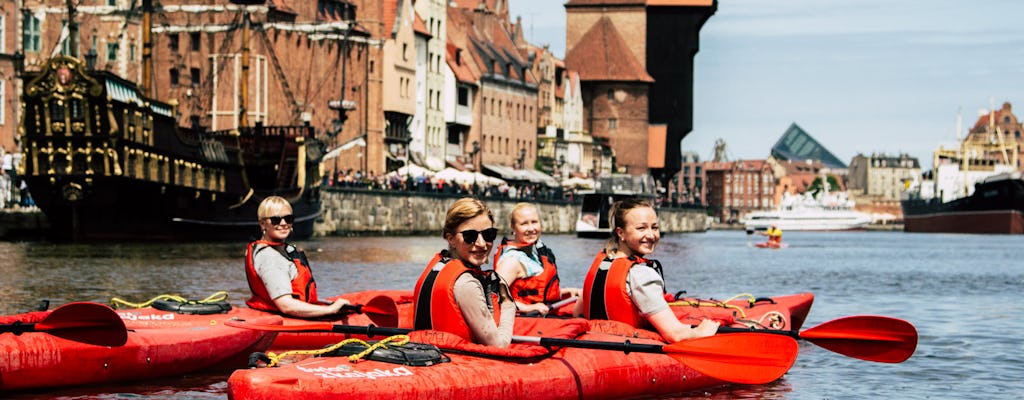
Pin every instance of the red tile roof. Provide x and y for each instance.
(602, 55)
(460, 65)
(488, 45)
(605, 2)
(390, 17)
(419, 26)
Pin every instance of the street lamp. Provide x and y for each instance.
(472, 157)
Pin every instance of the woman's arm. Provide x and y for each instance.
(672, 330)
(646, 289)
(469, 295)
(298, 308)
(509, 270)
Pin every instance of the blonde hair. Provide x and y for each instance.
(516, 208)
(463, 210)
(617, 216)
(271, 204)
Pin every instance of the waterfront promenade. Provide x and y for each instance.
(352, 211)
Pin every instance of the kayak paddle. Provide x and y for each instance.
(90, 323)
(381, 310)
(867, 337)
(553, 306)
(749, 358)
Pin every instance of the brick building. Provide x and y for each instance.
(736, 188)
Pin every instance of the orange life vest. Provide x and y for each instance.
(540, 288)
(303, 286)
(606, 293)
(435, 306)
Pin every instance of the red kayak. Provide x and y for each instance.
(88, 343)
(394, 308)
(771, 245)
(620, 364)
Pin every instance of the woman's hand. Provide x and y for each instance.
(336, 306)
(540, 308)
(707, 327)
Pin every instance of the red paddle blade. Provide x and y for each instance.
(383, 311)
(310, 327)
(91, 323)
(750, 358)
(867, 337)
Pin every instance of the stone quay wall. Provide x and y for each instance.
(355, 212)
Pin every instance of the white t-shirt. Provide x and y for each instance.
(647, 289)
(275, 270)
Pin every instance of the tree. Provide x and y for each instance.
(815, 186)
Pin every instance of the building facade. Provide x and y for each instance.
(881, 177)
(736, 188)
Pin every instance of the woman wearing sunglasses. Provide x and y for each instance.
(624, 285)
(528, 266)
(454, 294)
(278, 273)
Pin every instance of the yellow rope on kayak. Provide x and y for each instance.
(213, 298)
(396, 340)
(708, 303)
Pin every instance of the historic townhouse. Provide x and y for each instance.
(460, 105)
(880, 178)
(736, 188)
(401, 28)
(504, 128)
(997, 136)
(429, 127)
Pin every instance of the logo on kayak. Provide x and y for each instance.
(130, 316)
(345, 371)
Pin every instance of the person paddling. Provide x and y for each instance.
(454, 294)
(278, 272)
(527, 266)
(623, 285)
(774, 235)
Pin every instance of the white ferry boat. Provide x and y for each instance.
(808, 213)
(596, 204)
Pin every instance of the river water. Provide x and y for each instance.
(962, 292)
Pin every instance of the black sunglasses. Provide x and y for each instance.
(489, 234)
(288, 219)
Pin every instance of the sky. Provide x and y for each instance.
(860, 76)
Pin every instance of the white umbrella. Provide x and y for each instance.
(412, 170)
(580, 183)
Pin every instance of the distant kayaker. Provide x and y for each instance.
(278, 273)
(623, 285)
(774, 235)
(527, 266)
(454, 294)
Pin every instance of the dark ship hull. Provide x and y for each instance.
(104, 162)
(997, 206)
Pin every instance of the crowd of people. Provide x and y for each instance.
(354, 179)
(455, 294)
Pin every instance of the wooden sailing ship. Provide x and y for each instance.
(105, 161)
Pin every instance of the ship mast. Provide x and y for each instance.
(244, 89)
(147, 46)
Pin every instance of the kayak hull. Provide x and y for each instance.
(155, 348)
(568, 373)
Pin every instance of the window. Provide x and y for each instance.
(112, 3)
(613, 124)
(112, 48)
(174, 76)
(405, 51)
(131, 52)
(194, 38)
(3, 33)
(172, 41)
(463, 96)
(611, 94)
(194, 72)
(31, 32)
(3, 97)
